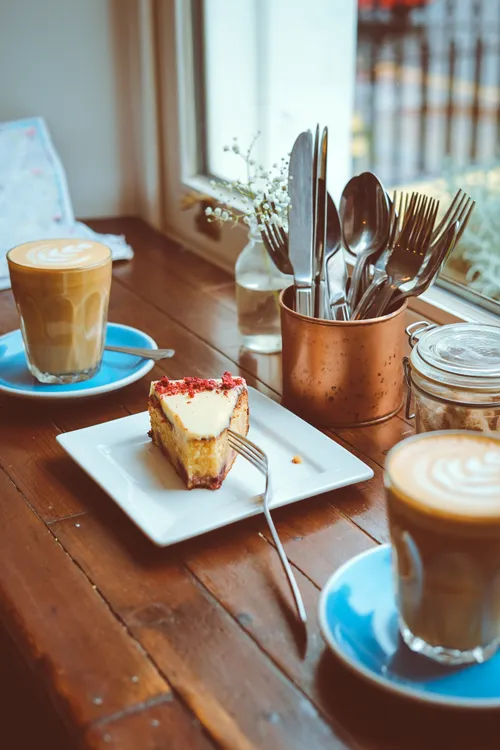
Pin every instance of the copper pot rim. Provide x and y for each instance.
(338, 323)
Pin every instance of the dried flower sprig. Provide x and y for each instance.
(263, 196)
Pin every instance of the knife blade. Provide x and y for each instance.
(320, 229)
(300, 221)
(315, 206)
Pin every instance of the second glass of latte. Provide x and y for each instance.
(61, 288)
(443, 497)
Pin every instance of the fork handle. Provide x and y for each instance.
(368, 297)
(286, 566)
(381, 301)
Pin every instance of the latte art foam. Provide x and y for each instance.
(69, 255)
(458, 473)
(59, 254)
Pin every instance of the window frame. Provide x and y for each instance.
(179, 148)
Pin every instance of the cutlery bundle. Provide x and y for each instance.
(397, 244)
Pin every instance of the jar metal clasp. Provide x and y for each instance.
(414, 329)
(409, 414)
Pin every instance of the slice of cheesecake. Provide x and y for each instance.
(189, 422)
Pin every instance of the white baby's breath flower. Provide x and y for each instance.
(261, 197)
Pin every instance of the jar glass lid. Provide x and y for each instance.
(467, 349)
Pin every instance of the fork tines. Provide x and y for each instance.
(248, 450)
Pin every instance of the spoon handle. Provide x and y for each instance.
(356, 278)
(368, 297)
(154, 354)
(382, 300)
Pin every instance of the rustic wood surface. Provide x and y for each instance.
(191, 647)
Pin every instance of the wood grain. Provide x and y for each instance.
(165, 723)
(207, 627)
(66, 630)
(224, 677)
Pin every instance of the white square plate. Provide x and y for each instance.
(121, 458)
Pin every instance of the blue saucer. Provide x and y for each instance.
(358, 618)
(117, 370)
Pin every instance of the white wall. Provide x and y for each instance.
(66, 60)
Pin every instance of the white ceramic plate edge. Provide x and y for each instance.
(373, 679)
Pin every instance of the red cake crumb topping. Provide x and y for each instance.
(166, 387)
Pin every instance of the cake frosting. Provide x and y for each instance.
(202, 408)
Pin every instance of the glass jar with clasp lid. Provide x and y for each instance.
(453, 376)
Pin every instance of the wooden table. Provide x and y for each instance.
(191, 647)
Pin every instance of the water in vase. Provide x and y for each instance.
(258, 311)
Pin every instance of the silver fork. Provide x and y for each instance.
(254, 455)
(439, 251)
(409, 251)
(459, 202)
(276, 242)
(399, 207)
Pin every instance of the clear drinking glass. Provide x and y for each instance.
(443, 501)
(61, 288)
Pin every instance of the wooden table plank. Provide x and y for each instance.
(151, 728)
(63, 626)
(226, 679)
(213, 615)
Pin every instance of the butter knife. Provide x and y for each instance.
(300, 221)
(320, 229)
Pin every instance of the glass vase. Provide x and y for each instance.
(258, 284)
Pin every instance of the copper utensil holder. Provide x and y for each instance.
(342, 373)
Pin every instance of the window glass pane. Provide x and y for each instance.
(415, 99)
(427, 114)
(278, 67)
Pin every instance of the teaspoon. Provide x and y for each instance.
(154, 354)
(364, 215)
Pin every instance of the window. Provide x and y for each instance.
(409, 89)
(274, 66)
(427, 114)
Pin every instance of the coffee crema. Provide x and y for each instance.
(454, 474)
(59, 254)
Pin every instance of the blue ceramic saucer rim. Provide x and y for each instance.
(360, 670)
(148, 365)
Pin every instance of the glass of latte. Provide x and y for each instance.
(443, 498)
(61, 288)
